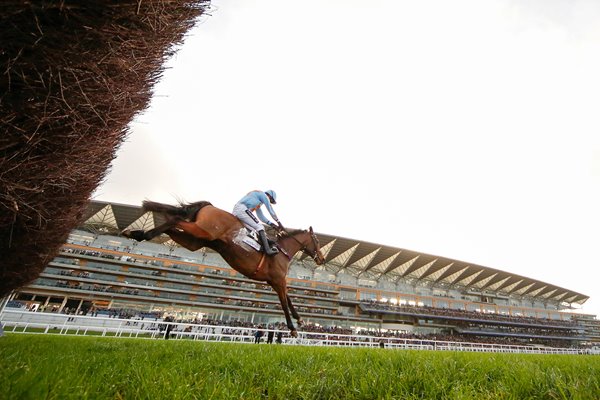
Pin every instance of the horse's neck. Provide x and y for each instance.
(291, 244)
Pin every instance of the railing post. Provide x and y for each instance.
(63, 327)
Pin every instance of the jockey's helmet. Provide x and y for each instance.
(272, 196)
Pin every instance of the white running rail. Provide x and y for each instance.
(20, 321)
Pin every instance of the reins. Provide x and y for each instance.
(304, 246)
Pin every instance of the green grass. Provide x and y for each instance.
(59, 367)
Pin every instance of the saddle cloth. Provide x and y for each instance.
(251, 239)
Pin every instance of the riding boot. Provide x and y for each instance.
(265, 244)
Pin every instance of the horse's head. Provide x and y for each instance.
(313, 248)
(306, 241)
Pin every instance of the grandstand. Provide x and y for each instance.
(362, 288)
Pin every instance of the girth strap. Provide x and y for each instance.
(261, 264)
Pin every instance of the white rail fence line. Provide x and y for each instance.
(18, 321)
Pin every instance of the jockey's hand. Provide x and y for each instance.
(280, 226)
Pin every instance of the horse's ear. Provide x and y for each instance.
(310, 229)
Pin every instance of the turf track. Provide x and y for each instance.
(59, 367)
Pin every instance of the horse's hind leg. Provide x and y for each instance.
(136, 234)
(141, 235)
(293, 310)
(186, 240)
(193, 229)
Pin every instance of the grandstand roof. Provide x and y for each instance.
(371, 261)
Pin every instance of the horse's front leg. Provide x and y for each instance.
(293, 310)
(281, 292)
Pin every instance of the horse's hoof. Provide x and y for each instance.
(136, 235)
(294, 333)
(300, 322)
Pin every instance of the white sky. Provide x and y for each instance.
(466, 129)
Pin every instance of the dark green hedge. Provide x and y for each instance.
(73, 76)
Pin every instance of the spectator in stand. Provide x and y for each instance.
(258, 335)
(169, 327)
(270, 337)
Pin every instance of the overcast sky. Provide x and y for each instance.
(464, 129)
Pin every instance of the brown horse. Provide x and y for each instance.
(200, 224)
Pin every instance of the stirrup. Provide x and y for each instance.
(267, 249)
(270, 251)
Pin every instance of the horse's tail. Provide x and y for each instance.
(185, 211)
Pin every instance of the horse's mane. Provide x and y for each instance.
(289, 235)
(294, 232)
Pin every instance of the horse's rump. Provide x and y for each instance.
(210, 222)
(216, 222)
(185, 211)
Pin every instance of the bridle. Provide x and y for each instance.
(314, 254)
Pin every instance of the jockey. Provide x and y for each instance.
(244, 210)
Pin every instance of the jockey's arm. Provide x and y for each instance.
(262, 217)
(267, 203)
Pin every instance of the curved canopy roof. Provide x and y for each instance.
(369, 260)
